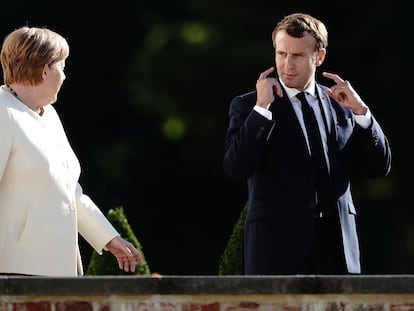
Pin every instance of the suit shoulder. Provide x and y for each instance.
(249, 97)
(322, 87)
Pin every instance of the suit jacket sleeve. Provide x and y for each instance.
(246, 137)
(375, 158)
(92, 223)
(6, 141)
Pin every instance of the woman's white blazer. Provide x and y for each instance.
(42, 206)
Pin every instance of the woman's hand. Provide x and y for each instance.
(126, 254)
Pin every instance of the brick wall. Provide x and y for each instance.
(186, 293)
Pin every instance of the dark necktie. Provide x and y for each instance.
(324, 187)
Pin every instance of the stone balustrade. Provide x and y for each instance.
(208, 293)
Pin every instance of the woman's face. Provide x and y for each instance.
(53, 77)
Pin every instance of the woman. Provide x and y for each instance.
(42, 206)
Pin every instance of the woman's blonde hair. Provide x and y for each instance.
(27, 50)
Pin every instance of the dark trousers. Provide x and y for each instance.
(327, 255)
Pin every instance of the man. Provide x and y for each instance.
(301, 216)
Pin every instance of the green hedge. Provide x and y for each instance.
(106, 264)
(231, 261)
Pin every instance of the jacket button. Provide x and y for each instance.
(260, 132)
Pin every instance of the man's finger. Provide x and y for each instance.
(265, 73)
(332, 76)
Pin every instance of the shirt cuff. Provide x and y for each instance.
(264, 112)
(364, 120)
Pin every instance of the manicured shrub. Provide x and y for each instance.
(231, 261)
(106, 264)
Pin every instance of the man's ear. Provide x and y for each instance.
(320, 57)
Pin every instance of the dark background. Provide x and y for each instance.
(145, 107)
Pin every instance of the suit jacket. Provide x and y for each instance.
(42, 205)
(272, 156)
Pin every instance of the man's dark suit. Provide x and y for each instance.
(272, 155)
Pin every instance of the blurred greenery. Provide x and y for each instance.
(145, 107)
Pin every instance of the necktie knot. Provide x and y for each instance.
(301, 96)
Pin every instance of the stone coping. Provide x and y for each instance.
(207, 285)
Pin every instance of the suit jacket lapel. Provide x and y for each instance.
(342, 120)
(330, 115)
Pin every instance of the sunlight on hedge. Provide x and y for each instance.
(195, 33)
(174, 128)
(157, 37)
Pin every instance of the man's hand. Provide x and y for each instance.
(266, 88)
(344, 94)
